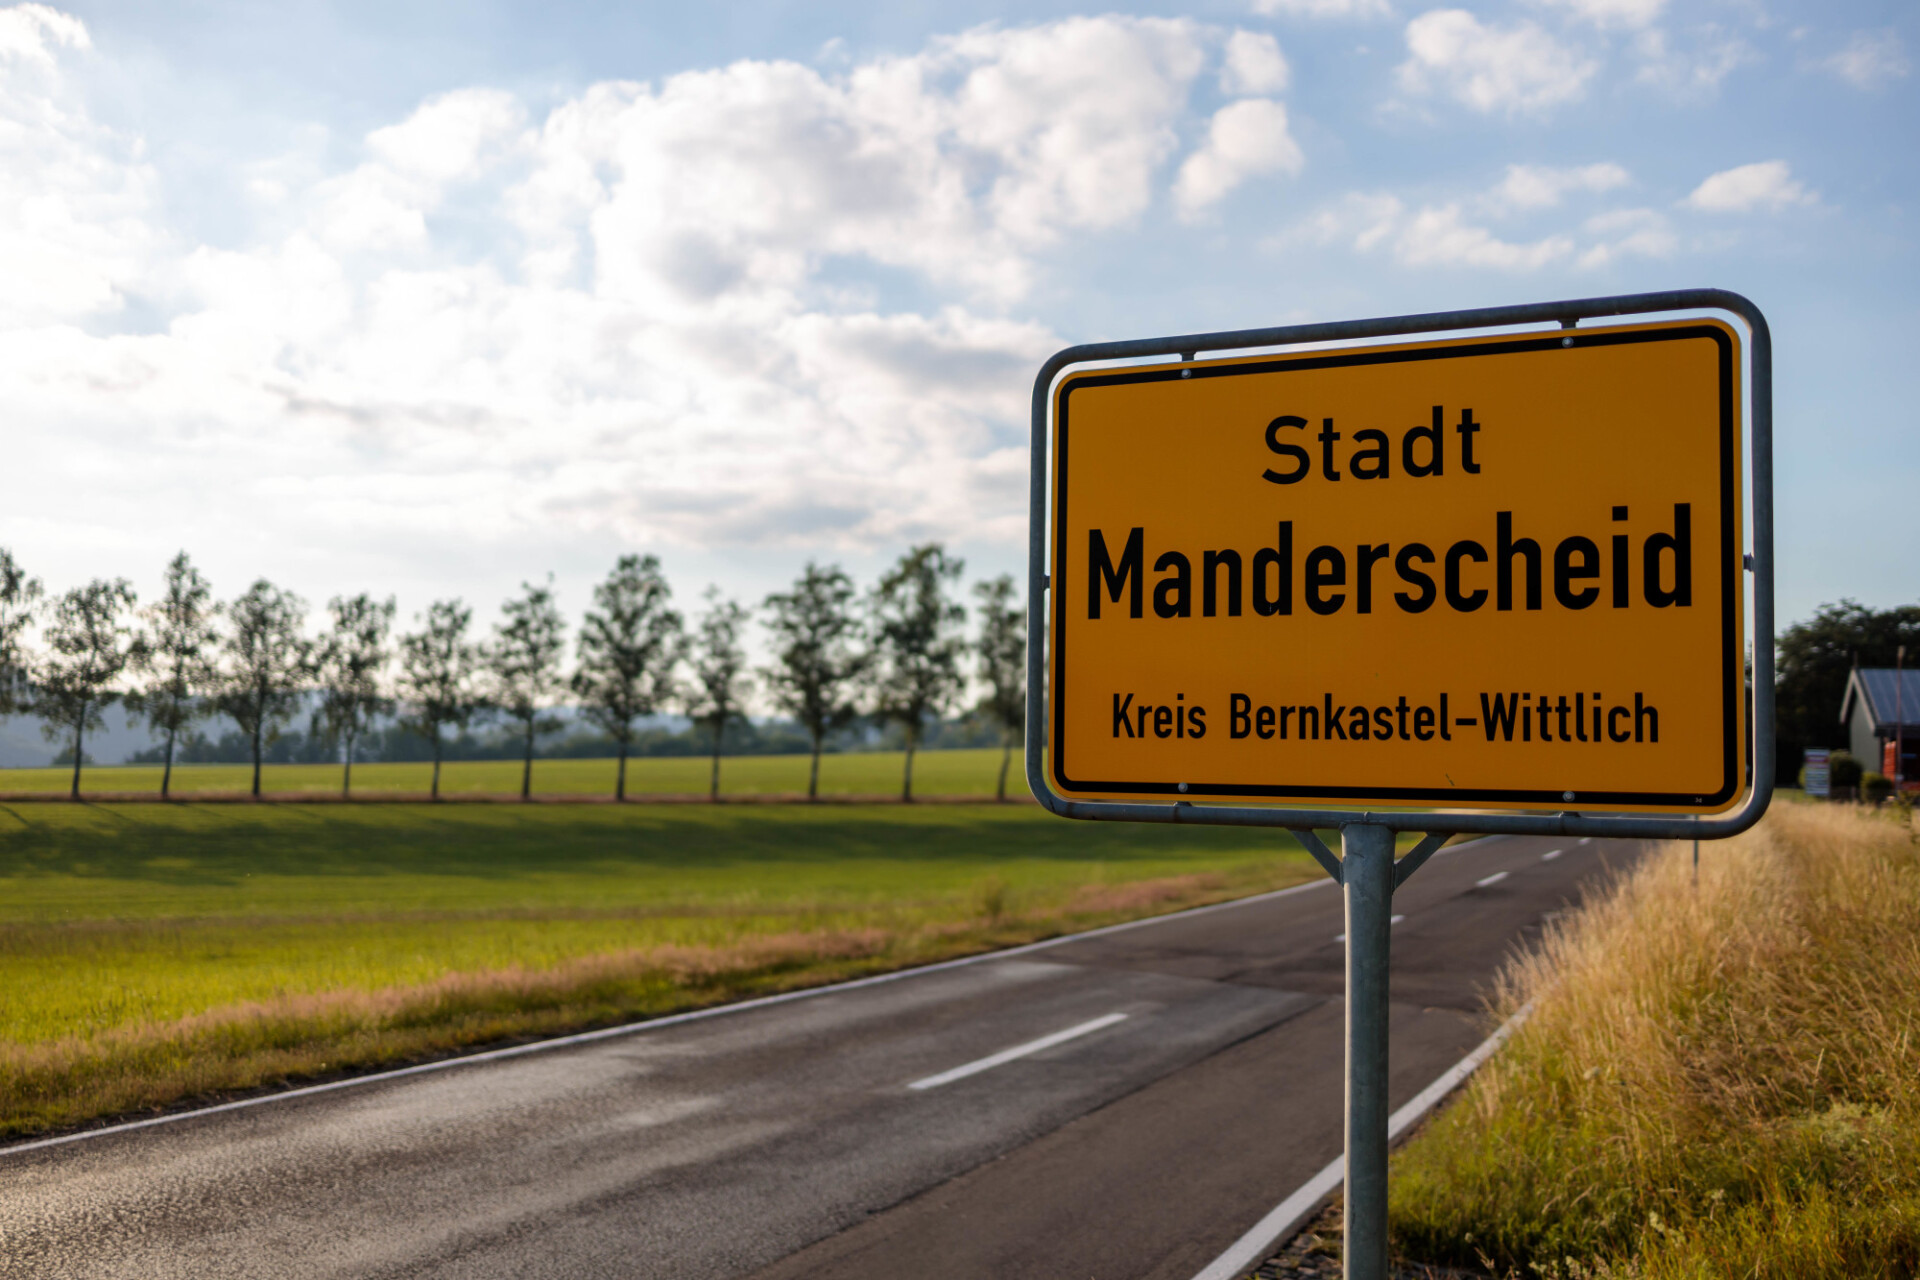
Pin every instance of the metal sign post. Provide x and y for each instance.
(1366, 866)
(1501, 578)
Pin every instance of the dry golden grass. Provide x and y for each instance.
(1717, 1079)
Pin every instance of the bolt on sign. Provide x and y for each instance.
(1484, 572)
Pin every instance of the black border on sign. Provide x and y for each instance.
(1732, 658)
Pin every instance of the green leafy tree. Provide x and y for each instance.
(918, 644)
(818, 656)
(1814, 659)
(720, 681)
(91, 641)
(180, 644)
(438, 671)
(1001, 652)
(630, 642)
(350, 662)
(19, 603)
(267, 663)
(523, 667)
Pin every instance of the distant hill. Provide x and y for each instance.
(22, 746)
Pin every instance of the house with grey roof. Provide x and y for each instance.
(1882, 704)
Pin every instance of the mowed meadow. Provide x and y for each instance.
(971, 773)
(153, 954)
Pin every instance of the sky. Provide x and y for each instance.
(431, 299)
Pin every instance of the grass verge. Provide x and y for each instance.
(1718, 1079)
(153, 954)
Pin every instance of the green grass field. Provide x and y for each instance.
(152, 953)
(867, 773)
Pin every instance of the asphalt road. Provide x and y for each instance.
(1188, 1078)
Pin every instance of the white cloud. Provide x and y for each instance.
(29, 33)
(1433, 235)
(76, 200)
(1870, 59)
(1768, 184)
(1625, 233)
(1245, 139)
(1353, 9)
(1253, 64)
(1529, 187)
(1631, 14)
(451, 137)
(653, 315)
(1079, 112)
(1358, 220)
(1442, 234)
(1513, 69)
(1716, 55)
(1442, 237)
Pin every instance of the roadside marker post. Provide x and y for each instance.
(1478, 581)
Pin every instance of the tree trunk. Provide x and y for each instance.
(79, 737)
(257, 725)
(620, 777)
(813, 775)
(906, 776)
(713, 783)
(166, 773)
(436, 764)
(526, 768)
(1006, 758)
(346, 777)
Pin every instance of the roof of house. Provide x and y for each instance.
(1885, 701)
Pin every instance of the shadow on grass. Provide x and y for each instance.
(188, 845)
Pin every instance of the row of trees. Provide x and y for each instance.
(899, 651)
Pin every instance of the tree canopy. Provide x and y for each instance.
(1814, 658)
(267, 662)
(918, 644)
(629, 644)
(437, 673)
(1001, 653)
(180, 645)
(350, 663)
(90, 642)
(523, 667)
(818, 659)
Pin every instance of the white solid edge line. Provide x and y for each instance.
(1287, 1217)
(993, 1060)
(671, 1020)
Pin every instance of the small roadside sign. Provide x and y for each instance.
(1485, 572)
(1818, 778)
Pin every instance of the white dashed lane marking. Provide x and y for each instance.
(1495, 878)
(991, 1061)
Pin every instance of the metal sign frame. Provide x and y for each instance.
(1567, 314)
